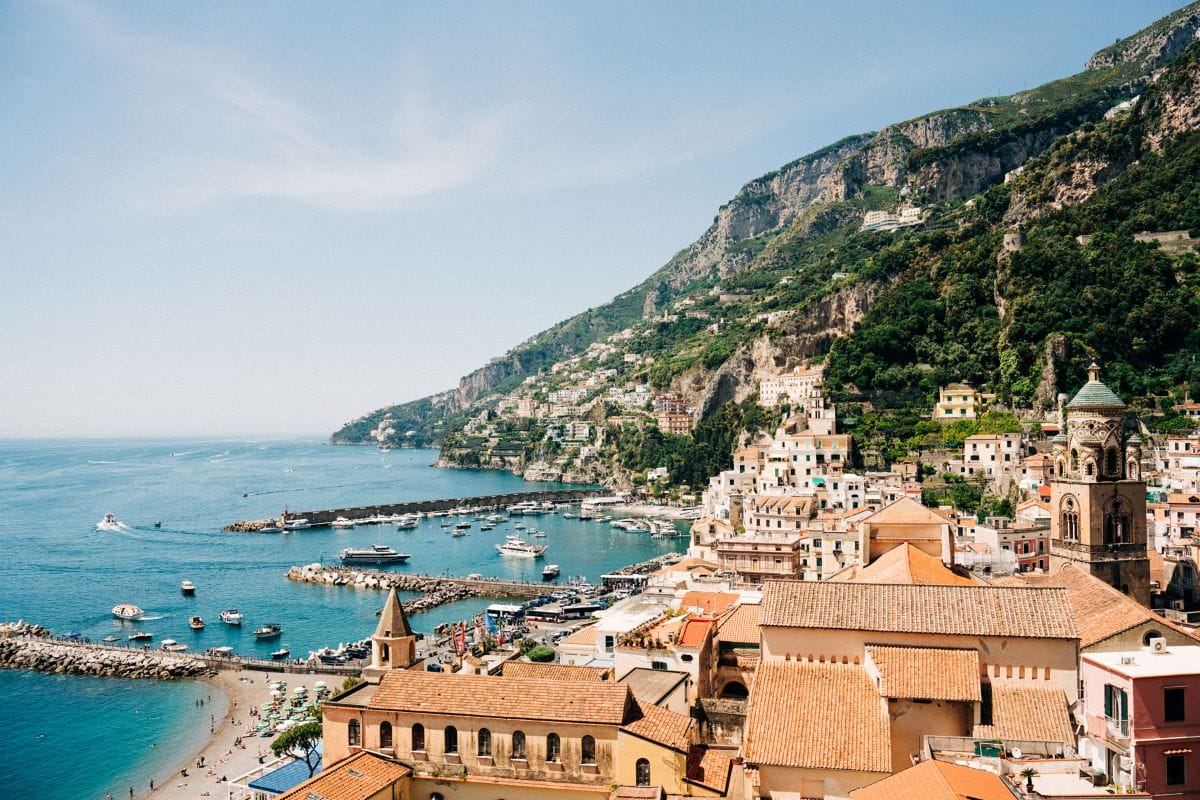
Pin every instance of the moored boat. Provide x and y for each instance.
(342, 522)
(140, 636)
(281, 654)
(550, 572)
(196, 623)
(375, 554)
(187, 587)
(269, 631)
(127, 611)
(172, 646)
(518, 547)
(231, 616)
(111, 639)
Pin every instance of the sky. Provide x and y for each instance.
(270, 218)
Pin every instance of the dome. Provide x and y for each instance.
(1095, 394)
(1134, 440)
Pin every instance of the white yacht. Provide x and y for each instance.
(518, 547)
(342, 522)
(231, 616)
(127, 611)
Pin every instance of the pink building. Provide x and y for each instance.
(1141, 712)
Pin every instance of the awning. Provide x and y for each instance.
(286, 777)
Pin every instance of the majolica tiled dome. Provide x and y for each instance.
(1094, 394)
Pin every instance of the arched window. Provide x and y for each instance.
(1089, 468)
(485, 742)
(553, 747)
(385, 735)
(1110, 461)
(1116, 522)
(518, 744)
(418, 737)
(450, 738)
(1074, 460)
(1062, 467)
(643, 772)
(383, 653)
(588, 750)
(1069, 521)
(354, 733)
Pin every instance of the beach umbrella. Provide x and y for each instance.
(320, 684)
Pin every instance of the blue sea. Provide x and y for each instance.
(75, 737)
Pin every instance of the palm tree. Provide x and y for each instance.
(1029, 773)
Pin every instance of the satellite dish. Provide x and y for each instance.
(1016, 751)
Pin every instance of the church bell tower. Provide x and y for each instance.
(393, 645)
(1097, 497)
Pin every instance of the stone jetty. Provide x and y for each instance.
(63, 658)
(435, 590)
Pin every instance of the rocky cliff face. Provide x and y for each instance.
(1150, 48)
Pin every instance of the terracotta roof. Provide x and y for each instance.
(740, 626)
(930, 673)
(659, 725)
(783, 504)
(486, 696)
(709, 602)
(1099, 610)
(953, 610)
(694, 631)
(905, 511)
(906, 563)
(556, 672)
(790, 709)
(1038, 713)
(688, 565)
(356, 777)
(710, 766)
(936, 780)
(586, 636)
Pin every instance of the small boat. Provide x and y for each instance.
(538, 534)
(408, 521)
(158, 523)
(231, 616)
(224, 652)
(127, 611)
(111, 639)
(375, 554)
(269, 631)
(140, 636)
(281, 654)
(462, 526)
(296, 524)
(187, 587)
(550, 572)
(196, 623)
(172, 646)
(458, 533)
(487, 526)
(342, 522)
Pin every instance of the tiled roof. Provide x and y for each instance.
(356, 777)
(905, 511)
(930, 673)
(740, 626)
(709, 602)
(1099, 610)
(1031, 712)
(555, 672)
(584, 636)
(710, 766)
(694, 632)
(653, 685)
(791, 707)
(906, 563)
(1095, 394)
(689, 565)
(486, 696)
(953, 610)
(659, 725)
(392, 621)
(936, 780)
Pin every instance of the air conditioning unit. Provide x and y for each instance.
(1123, 762)
(1178, 605)
(1158, 644)
(1127, 660)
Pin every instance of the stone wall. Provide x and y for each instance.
(44, 655)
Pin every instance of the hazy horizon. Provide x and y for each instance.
(223, 218)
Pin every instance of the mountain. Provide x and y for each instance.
(785, 274)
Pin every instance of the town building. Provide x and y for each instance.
(676, 423)
(959, 401)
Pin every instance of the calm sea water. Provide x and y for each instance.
(59, 570)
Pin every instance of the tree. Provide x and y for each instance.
(541, 653)
(301, 743)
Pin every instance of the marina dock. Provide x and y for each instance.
(325, 517)
(430, 586)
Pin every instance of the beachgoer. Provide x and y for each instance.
(131, 791)
(152, 784)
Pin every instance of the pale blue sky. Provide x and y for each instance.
(272, 217)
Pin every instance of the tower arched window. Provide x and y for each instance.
(354, 733)
(385, 735)
(553, 747)
(1117, 529)
(1089, 468)
(384, 654)
(588, 750)
(1111, 462)
(1074, 460)
(418, 737)
(484, 738)
(450, 739)
(643, 772)
(1069, 521)
(518, 744)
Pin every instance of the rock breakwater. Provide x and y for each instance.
(44, 655)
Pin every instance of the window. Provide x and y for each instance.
(1116, 708)
(450, 737)
(354, 732)
(484, 738)
(660, 665)
(643, 772)
(518, 744)
(385, 735)
(553, 747)
(588, 750)
(1176, 770)
(418, 737)
(1173, 704)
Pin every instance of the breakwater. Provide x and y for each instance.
(435, 590)
(44, 655)
(325, 517)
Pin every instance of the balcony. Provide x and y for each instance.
(1108, 729)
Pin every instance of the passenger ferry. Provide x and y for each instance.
(375, 554)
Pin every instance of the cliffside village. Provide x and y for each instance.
(828, 636)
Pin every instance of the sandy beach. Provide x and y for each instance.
(234, 694)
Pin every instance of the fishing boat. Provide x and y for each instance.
(196, 623)
(281, 654)
(462, 526)
(172, 646)
(342, 522)
(518, 547)
(269, 631)
(550, 572)
(140, 636)
(231, 616)
(127, 611)
(375, 554)
(187, 587)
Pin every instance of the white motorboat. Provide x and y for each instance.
(550, 572)
(297, 524)
(342, 522)
(231, 616)
(172, 646)
(127, 611)
(518, 547)
(407, 521)
(187, 587)
(110, 523)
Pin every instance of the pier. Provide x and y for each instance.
(325, 517)
(436, 589)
